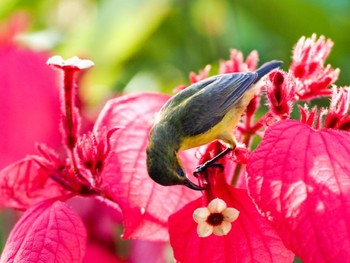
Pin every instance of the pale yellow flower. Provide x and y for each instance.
(215, 219)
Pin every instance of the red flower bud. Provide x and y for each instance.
(308, 68)
(280, 94)
(338, 117)
(237, 64)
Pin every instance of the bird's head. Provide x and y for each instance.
(165, 169)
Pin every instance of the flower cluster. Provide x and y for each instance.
(259, 204)
(267, 177)
(312, 77)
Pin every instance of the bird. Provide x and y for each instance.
(199, 114)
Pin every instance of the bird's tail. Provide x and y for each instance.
(266, 68)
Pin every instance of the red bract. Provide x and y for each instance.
(313, 117)
(280, 93)
(299, 178)
(237, 64)
(338, 115)
(251, 238)
(25, 183)
(29, 103)
(48, 232)
(50, 174)
(200, 76)
(146, 205)
(250, 230)
(313, 78)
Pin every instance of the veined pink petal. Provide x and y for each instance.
(300, 179)
(48, 232)
(25, 183)
(251, 238)
(146, 205)
(29, 103)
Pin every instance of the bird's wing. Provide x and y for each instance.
(186, 93)
(209, 104)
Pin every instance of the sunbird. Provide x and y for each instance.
(203, 112)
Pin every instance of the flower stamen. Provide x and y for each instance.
(215, 219)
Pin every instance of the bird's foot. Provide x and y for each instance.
(205, 166)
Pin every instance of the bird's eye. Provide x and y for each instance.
(180, 172)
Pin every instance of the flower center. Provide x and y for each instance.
(215, 219)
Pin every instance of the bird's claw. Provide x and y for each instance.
(203, 167)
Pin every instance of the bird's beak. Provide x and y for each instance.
(193, 186)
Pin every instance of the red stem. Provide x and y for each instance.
(70, 123)
(69, 85)
(249, 131)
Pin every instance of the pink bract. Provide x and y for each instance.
(29, 103)
(146, 205)
(251, 238)
(48, 232)
(299, 179)
(24, 183)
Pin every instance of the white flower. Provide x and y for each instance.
(74, 62)
(215, 219)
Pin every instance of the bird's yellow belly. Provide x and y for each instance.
(222, 130)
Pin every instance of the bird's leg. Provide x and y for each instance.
(211, 162)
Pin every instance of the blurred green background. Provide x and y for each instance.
(143, 45)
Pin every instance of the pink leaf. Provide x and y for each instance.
(25, 183)
(146, 205)
(251, 239)
(48, 232)
(29, 103)
(299, 178)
